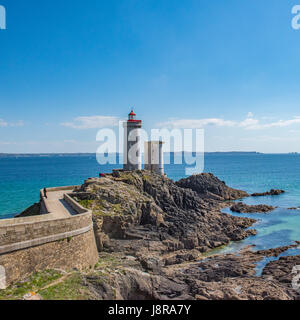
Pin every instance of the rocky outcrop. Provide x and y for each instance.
(219, 277)
(148, 207)
(207, 186)
(244, 208)
(272, 192)
(120, 276)
(285, 270)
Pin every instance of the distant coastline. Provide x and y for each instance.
(27, 155)
(24, 155)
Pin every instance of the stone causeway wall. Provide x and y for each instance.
(36, 243)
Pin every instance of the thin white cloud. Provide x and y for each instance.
(254, 124)
(92, 122)
(271, 139)
(196, 123)
(4, 123)
(282, 123)
(19, 123)
(250, 123)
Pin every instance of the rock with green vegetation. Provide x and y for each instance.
(32, 285)
(144, 206)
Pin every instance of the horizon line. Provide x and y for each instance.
(120, 153)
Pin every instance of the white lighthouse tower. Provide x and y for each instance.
(132, 143)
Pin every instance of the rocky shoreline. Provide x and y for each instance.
(165, 233)
(157, 238)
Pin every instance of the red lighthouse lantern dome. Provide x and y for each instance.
(132, 117)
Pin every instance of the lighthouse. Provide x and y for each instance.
(132, 143)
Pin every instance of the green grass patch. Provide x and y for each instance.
(72, 288)
(107, 262)
(86, 203)
(33, 284)
(127, 178)
(101, 213)
(147, 178)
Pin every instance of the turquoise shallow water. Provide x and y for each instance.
(22, 178)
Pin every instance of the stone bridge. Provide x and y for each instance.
(61, 237)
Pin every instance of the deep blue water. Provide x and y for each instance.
(22, 178)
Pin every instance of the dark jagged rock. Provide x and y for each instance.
(233, 276)
(123, 205)
(219, 277)
(275, 252)
(244, 208)
(294, 208)
(206, 185)
(272, 192)
(283, 270)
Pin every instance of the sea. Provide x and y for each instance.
(21, 178)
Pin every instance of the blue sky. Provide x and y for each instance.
(68, 68)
